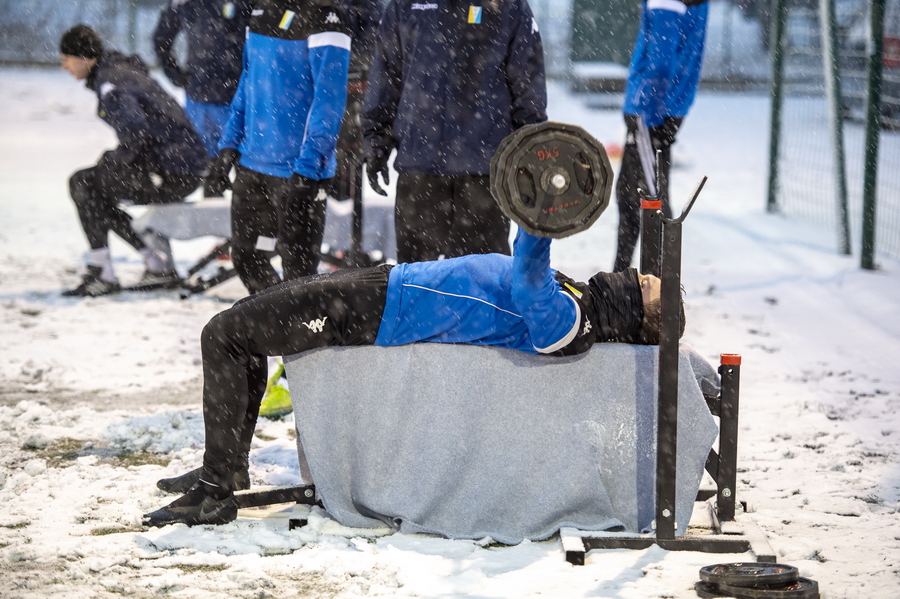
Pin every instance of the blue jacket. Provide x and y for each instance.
(287, 112)
(215, 31)
(516, 302)
(665, 65)
(450, 80)
(150, 125)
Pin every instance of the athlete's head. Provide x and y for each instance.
(79, 49)
(627, 305)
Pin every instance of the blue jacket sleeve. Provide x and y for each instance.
(170, 24)
(385, 85)
(656, 46)
(525, 72)
(551, 315)
(329, 58)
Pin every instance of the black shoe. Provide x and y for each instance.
(92, 285)
(196, 507)
(183, 483)
(152, 279)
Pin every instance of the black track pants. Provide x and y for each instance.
(631, 176)
(338, 309)
(97, 191)
(284, 211)
(450, 216)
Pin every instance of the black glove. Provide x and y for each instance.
(376, 162)
(663, 135)
(218, 180)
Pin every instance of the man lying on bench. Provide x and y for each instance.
(516, 302)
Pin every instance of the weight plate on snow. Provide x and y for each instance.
(551, 179)
(749, 574)
(802, 588)
(707, 590)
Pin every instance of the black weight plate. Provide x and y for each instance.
(531, 165)
(552, 179)
(707, 590)
(749, 574)
(503, 144)
(802, 588)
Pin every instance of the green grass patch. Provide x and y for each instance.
(102, 531)
(140, 458)
(206, 568)
(62, 453)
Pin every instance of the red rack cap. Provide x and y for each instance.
(731, 359)
(651, 204)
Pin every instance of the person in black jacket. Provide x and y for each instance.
(215, 32)
(160, 158)
(449, 81)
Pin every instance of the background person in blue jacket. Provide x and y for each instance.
(516, 302)
(450, 80)
(662, 83)
(159, 159)
(214, 31)
(282, 131)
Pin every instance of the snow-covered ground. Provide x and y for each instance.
(100, 397)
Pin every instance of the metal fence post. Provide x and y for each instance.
(833, 94)
(779, 47)
(873, 125)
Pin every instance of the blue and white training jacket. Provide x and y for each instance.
(516, 302)
(287, 112)
(665, 65)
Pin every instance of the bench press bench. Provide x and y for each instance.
(607, 448)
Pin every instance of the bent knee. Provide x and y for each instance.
(81, 184)
(218, 331)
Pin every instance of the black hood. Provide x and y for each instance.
(618, 305)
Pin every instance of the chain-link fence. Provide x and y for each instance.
(30, 29)
(818, 169)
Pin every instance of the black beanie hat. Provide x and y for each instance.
(81, 41)
(619, 305)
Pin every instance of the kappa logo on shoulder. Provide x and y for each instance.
(316, 325)
(106, 87)
(332, 18)
(587, 327)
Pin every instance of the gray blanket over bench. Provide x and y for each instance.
(473, 442)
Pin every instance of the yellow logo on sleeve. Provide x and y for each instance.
(574, 291)
(475, 14)
(286, 19)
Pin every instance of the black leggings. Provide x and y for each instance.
(279, 209)
(96, 192)
(631, 176)
(337, 309)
